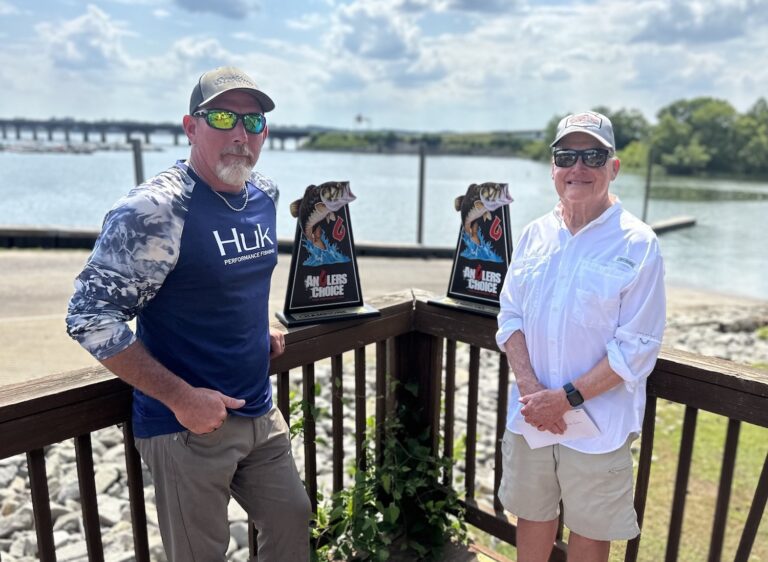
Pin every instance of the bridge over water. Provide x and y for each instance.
(95, 131)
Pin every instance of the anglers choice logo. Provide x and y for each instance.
(237, 242)
(480, 280)
(324, 285)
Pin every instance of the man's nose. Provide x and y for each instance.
(239, 134)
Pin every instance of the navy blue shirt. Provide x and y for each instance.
(196, 274)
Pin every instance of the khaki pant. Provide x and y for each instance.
(247, 458)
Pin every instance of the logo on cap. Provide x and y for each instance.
(584, 120)
(239, 78)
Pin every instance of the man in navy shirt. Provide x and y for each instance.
(190, 254)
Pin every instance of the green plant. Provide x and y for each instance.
(398, 504)
(762, 333)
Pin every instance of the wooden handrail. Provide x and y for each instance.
(409, 337)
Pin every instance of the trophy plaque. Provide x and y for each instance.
(483, 250)
(324, 282)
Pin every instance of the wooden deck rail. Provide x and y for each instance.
(411, 340)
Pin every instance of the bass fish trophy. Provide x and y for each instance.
(323, 284)
(483, 250)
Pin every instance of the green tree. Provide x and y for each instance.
(710, 123)
(687, 158)
(628, 125)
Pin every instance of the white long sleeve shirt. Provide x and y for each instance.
(578, 298)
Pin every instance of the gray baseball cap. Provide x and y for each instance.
(589, 122)
(219, 80)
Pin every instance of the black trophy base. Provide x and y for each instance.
(468, 306)
(291, 319)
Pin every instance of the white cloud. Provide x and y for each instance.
(88, 42)
(307, 22)
(233, 9)
(7, 9)
(372, 30)
(161, 13)
(697, 22)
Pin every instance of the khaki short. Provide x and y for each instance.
(596, 490)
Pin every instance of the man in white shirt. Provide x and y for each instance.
(582, 318)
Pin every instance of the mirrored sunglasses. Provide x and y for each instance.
(592, 157)
(224, 120)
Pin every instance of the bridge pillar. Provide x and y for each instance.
(127, 136)
(146, 137)
(85, 135)
(5, 133)
(104, 136)
(271, 142)
(176, 139)
(34, 133)
(282, 144)
(18, 132)
(50, 133)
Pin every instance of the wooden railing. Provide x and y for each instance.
(411, 341)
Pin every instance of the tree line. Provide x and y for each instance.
(703, 135)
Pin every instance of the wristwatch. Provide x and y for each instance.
(574, 396)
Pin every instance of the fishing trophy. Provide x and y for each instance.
(323, 284)
(483, 250)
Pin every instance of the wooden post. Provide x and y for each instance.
(138, 162)
(420, 218)
(419, 360)
(647, 194)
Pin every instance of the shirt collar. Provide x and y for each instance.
(608, 213)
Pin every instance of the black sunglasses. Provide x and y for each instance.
(592, 157)
(224, 120)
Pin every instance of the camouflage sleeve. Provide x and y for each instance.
(266, 185)
(137, 248)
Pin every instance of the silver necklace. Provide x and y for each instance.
(245, 189)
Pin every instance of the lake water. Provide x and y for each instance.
(725, 252)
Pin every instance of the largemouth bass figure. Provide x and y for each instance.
(479, 202)
(320, 203)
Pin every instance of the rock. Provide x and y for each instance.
(25, 544)
(69, 522)
(9, 506)
(105, 476)
(19, 520)
(110, 510)
(239, 531)
(242, 555)
(235, 512)
(7, 474)
(115, 454)
(61, 538)
(77, 550)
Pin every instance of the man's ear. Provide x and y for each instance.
(190, 125)
(266, 131)
(616, 165)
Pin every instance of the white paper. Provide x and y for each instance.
(578, 422)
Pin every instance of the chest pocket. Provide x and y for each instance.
(527, 276)
(597, 295)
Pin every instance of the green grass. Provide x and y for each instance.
(702, 490)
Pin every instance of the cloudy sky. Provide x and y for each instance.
(428, 65)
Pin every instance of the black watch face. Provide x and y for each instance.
(575, 398)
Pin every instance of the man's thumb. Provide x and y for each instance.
(233, 403)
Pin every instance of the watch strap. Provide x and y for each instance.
(574, 396)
